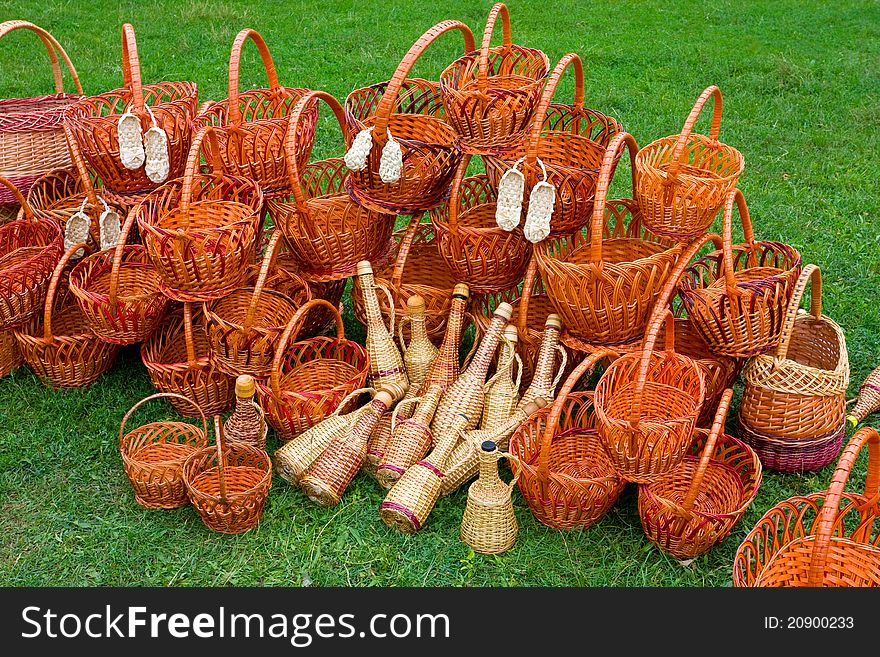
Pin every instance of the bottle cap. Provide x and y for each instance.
(244, 386)
(394, 391)
(364, 267)
(461, 290)
(504, 310)
(385, 396)
(488, 446)
(511, 333)
(553, 320)
(415, 305)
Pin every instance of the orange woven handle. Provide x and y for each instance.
(831, 507)
(131, 67)
(157, 396)
(452, 204)
(549, 90)
(483, 70)
(233, 110)
(53, 285)
(609, 166)
(79, 163)
(403, 250)
(522, 313)
(188, 333)
(268, 260)
(28, 211)
(809, 272)
(708, 450)
(117, 257)
(389, 98)
(221, 457)
(678, 152)
(52, 47)
(193, 164)
(736, 196)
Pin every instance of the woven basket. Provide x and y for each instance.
(31, 135)
(799, 393)
(682, 181)
(477, 251)
(490, 95)
(821, 539)
(411, 112)
(93, 123)
(30, 248)
(604, 282)
(326, 232)
(286, 278)
(737, 297)
(200, 231)
(695, 507)
(154, 454)
(228, 484)
(564, 473)
(794, 455)
(178, 360)
(118, 291)
(10, 355)
(310, 377)
(570, 141)
(62, 350)
(251, 127)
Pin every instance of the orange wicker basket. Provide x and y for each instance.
(683, 180)
(410, 114)
(62, 350)
(200, 231)
(564, 473)
(310, 377)
(31, 136)
(490, 95)
(570, 142)
(737, 297)
(251, 126)
(30, 248)
(93, 121)
(10, 355)
(821, 539)
(695, 507)
(184, 366)
(154, 454)
(477, 251)
(326, 232)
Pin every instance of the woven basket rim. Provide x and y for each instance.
(212, 106)
(76, 110)
(647, 150)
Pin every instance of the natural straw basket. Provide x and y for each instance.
(411, 111)
(31, 135)
(30, 248)
(683, 180)
(118, 291)
(821, 539)
(477, 251)
(564, 473)
(62, 350)
(93, 123)
(737, 297)
(251, 125)
(695, 507)
(490, 95)
(570, 141)
(10, 355)
(184, 366)
(228, 483)
(868, 399)
(154, 454)
(310, 377)
(326, 232)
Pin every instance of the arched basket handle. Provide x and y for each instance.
(234, 111)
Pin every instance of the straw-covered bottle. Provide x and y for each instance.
(247, 423)
(502, 390)
(489, 524)
(445, 368)
(386, 362)
(544, 380)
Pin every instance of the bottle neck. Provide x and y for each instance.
(418, 328)
(365, 424)
(479, 364)
(489, 468)
(546, 358)
(371, 303)
(455, 323)
(428, 405)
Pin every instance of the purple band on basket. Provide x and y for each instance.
(394, 506)
(396, 370)
(871, 386)
(430, 466)
(389, 466)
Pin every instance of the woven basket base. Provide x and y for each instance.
(318, 492)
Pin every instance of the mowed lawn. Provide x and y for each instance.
(800, 83)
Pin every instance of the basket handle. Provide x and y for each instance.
(452, 203)
(831, 507)
(131, 67)
(188, 333)
(708, 451)
(552, 82)
(386, 104)
(406, 401)
(556, 411)
(522, 313)
(157, 396)
(19, 197)
(404, 249)
(678, 152)
(736, 196)
(499, 8)
(221, 457)
(52, 47)
(606, 173)
(53, 286)
(268, 260)
(117, 256)
(193, 163)
(810, 272)
(292, 330)
(233, 110)
(79, 163)
(668, 318)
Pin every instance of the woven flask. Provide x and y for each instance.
(502, 389)
(445, 368)
(544, 381)
(246, 424)
(489, 524)
(868, 400)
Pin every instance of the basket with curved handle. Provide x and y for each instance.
(678, 153)
(118, 254)
(193, 165)
(27, 210)
(498, 9)
(268, 260)
(234, 111)
(160, 395)
(81, 169)
(53, 48)
(53, 286)
(606, 173)
(810, 274)
(737, 197)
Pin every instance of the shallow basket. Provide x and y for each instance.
(490, 95)
(821, 539)
(154, 454)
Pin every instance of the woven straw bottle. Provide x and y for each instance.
(411, 499)
(502, 390)
(411, 438)
(386, 363)
(543, 382)
(467, 394)
(445, 368)
(489, 523)
(246, 424)
(333, 470)
(868, 400)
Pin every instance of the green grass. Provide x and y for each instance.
(801, 102)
